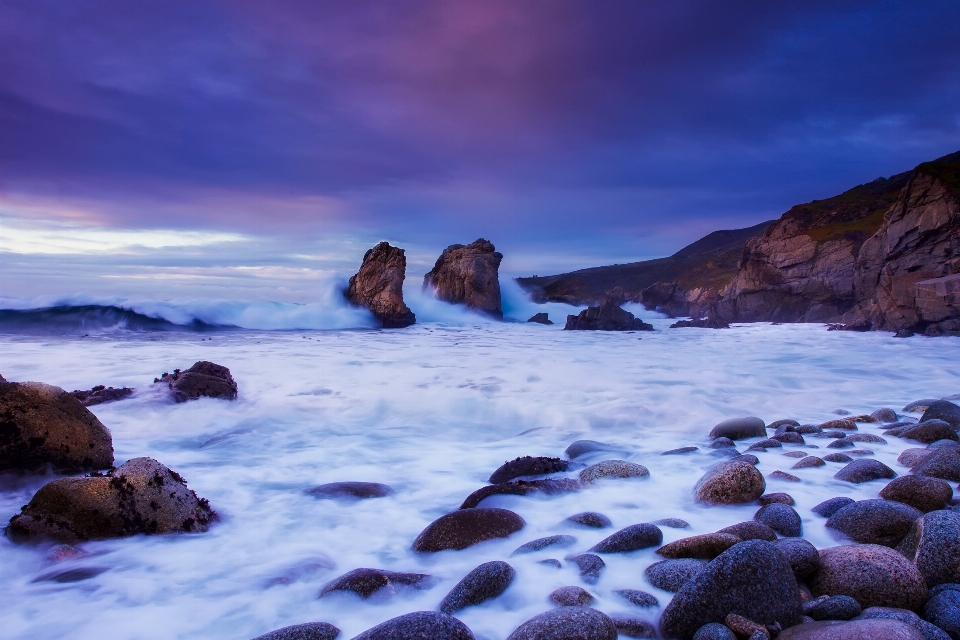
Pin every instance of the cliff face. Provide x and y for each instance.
(378, 286)
(468, 275)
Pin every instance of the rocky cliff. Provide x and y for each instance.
(378, 286)
(468, 275)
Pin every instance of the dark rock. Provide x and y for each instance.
(590, 519)
(751, 531)
(919, 406)
(953, 444)
(722, 443)
(864, 471)
(929, 631)
(920, 492)
(803, 557)
(866, 437)
(100, 394)
(528, 466)
(567, 623)
(583, 447)
(885, 415)
(933, 544)
(781, 518)
(378, 286)
(714, 631)
(706, 546)
(745, 628)
(807, 462)
(560, 542)
(590, 566)
(769, 443)
(829, 507)
(783, 475)
(41, 424)
(780, 498)
(369, 582)
(795, 454)
(467, 527)
(549, 486)
(468, 275)
(486, 582)
(420, 624)
(855, 630)
(606, 317)
(670, 575)
(540, 318)
(632, 538)
(943, 410)
(638, 598)
(732, 482)
(551, 562)
(68, 576)
(881, 522)
(841, 443)
(613, 469)
(740, 428)
(634, 627)
(833, 608)
(202, 379)
(701, 323)
(830, 434)
(837, 457)
(777, 424)
(943, 610)
(751, 579)
(790, 437)
(930, 431)
(943, 463)
(571, 597)
(350, 490)
(139, 496)
(873, 575)
(306, 631)
(673, 523)
(680, 451)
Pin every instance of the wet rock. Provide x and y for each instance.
(751, 579)
(139, 496)
(528, 466)
(679, 452)
(746, 628)
(700, 323)
(783, 475)
(551, 562)
(919, 406)
(776, 424)
(101, 394)
(860, 471)
(837, 457)
(714, 631)
(809, 461)
(722, 443)
(567, 623)
(306, 631)
(638, 598)
(873, 575)
(830, 434)
(832, 608)
(740, 428)
(634, 627)
(866, 437)
(749, 458)
(846, 425)
(613, 469)
(366, 583)
(863, 418)
(803, 557)
(468, 275)
(933, 544)
(378, 286)
(420, 624)
(41, 424)
(751, 531)
(350, 490)
(590, 519)
(670, 575)
(781, 518)
(781, 498)
(632, 538)
(795, 454)
(943, 410)
(829, 507)
(790, 437)
(943, 463)
(929, 631)
(885, 415)
(732, 482)
(860, 452)
(930, 431)
(571, 597)
(881, 522)
(673, 523)
(548, 486)
(467, 527)
(583, 447)
(913, 457)
(807, 429)
(486, 582)
(943, 443)
(590, 566)
(920, 492)
(706, 546)
(202, 379)
(68, 576)
(841, 443)
(943, 610)
(606, 317)
(540, 318)
(559, 542)
(855, 630)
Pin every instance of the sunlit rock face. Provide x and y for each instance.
(468, 275)
(378, 286)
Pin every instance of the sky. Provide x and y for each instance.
(251, 150)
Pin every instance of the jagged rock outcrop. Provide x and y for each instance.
(468, 275)
(202, 379)
(378, 286)
(607, 317)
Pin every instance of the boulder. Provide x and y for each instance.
(714, 631)
(929, 631)
(101, 394)
(943, 463)
(933, 544)
(528, 466)
(881, 522)
(706, 546)
(920, 492)
(739, 429)
(632, 538)
(350, 491)
(789, 437)
(919, 406)
(837, 457)
(44, 425)
(420, 624)
(607, 317)
(751, 579)
(306, 631)
(943, 610)
(913, 456)
(467, 527)
(202, 379)
(781, 518)
(866, 437)
(613, 469)
(733, 482)
(679, 452)
(808, 462)
(548, 486)
(590, 519)
(942, 410)
(468, 275)
(829, 507)
(540, 318)
(638, 598)
(875, 629)
(567, 623)
(751, 530)
(873, 575)
(832, 608)
(670, 575)
(378, 286)
(140, 496)
(368, 583)
(782, 498)
(560, 542)
(860, 471)
(486, 582)
(583, 447)
(701, 323)
(885, 415)
(803, 557)
(590, 566)
(673, 523)
(930, 431)
(843, 423)
(571, 597)
(634, 627)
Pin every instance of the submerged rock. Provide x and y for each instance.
(486, 582)
(468, 275)
(306, 631)
(607, 317)
(378, 286)
(590, 566)
(202, 379)
(873, 575)
(583, 447)
(567, 623)
(420, 624)
(548, 486)
(100, 394)
(528, 466)
(350, 490)
(733, 482)
(540, 318)
(41, 424)
(375, 582)
(467, 527)
(701, 323)
(880, 522)
(139, 496)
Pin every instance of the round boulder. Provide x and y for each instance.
(829, 507)
(559, 541)
(706, 546)
(885, 415)
(740, 428)
(368, 583)
(874, 521)
(873, 575)
(590, 566)
(571, 597)
(930, 431)
(943, 610)
(803, 557)
(486, 582)
(714, 631)
(632, 538)
(732, 482)
(781, 518)
(590, 519)
(202, 379)
(933, 543)
(583, 447)
(307, 631)
(467, 527)
(567, 623)
(420, 624)
(670, 575)
(751, 530)
(832, 608)
(874, 629)
(634, 627)
(860, 471)
(920, 492)
(613, 469)
(943, 463)
(943, 410)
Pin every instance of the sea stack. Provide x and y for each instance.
(468, 275)
(378, 286)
